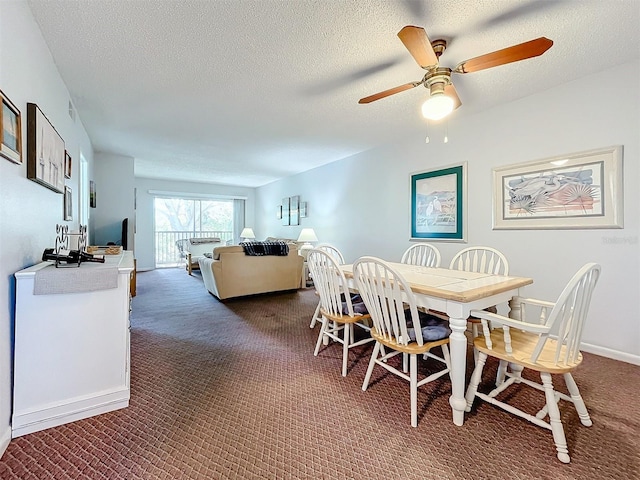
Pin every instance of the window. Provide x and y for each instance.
(183, 218)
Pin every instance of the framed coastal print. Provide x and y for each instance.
(45, 151)
(92, 194)
(68, 204)
(438, 204)
(579, 190)
(11, 132)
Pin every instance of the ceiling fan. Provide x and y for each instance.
(443, 98)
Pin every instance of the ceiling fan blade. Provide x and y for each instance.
(419, 45)
(450, 91)
(391, 91)
(511, 54)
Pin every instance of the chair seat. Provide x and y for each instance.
(523, 344)
(344, 318)
(411, 348)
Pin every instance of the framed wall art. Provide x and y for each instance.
(68, 204)
(294, 210)
(303, 209)
(285, 211)
(438, 204)
(92, 194)
(580, 190)
(45, 151)
(67, 165)
(279, 212)
(11, 132)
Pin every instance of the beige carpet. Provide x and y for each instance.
(233, 391)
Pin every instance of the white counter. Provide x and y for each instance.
(71, 350)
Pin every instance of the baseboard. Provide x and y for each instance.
(609, 353)
(70, 411)
(5, 438)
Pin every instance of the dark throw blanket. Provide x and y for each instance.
(259, 249)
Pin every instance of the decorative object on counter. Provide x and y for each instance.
(45, 151)
(92, 194)
(581, 190)
(61, 252)
(68, 204)
(10, 131)
(67, 165)
(307, 235)
(105, 250)
(247, 234)
(438, 204)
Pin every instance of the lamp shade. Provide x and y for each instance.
(307, 235)
(247, 233)
(437, 106)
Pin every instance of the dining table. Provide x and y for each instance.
(456, 293)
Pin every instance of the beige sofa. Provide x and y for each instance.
(232, 273)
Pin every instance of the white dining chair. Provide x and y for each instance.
(548, 344)
(480, 260)
(423, 254)
(337, 311)
(398, 326)
(337, 256)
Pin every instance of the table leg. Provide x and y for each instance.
(458, 346)
(515, 312)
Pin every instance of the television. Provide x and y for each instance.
(125, 233)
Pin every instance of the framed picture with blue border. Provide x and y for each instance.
(439, 204)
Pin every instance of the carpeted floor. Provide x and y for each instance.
(233, 391)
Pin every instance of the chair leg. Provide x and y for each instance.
(413, 375)
(578, 402)
(315, 317)
(320, 335)
(404, 363)
(474, 334)
(554, 418)
(345, 349)
(502, 372)
(476, 376)
(372, 363)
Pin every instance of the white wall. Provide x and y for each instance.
(144, 236)
(114, 199)
(361, 204)
(28, 212)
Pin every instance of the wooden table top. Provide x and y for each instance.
(455, 285)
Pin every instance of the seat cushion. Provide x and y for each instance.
(433, 328)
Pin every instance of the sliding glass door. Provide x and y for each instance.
(184, 218)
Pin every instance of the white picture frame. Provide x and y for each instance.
(577, 191)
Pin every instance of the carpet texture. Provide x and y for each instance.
(233, 391)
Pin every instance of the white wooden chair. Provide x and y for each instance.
(531, 344)
(337, 256)
(337, 312)
(386, 294)
(480, 260)
(423, 254)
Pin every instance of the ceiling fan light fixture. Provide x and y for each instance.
(437, 106)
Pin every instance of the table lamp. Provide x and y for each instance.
(307, 235)
(247, 234)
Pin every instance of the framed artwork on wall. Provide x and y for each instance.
(68, 204)
(11, 132)
(580, 190)
(279, 212)
(67, 165)
(294, 211)
(438, 204)
(303, 209)
(45, 151)
(92, 194)
(285, 211)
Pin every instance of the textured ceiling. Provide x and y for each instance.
(245, 92)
